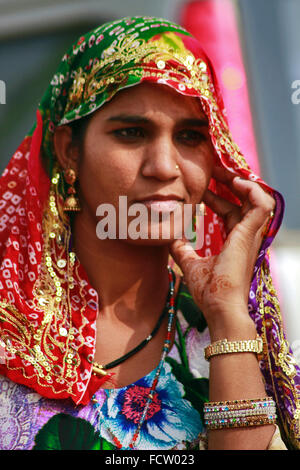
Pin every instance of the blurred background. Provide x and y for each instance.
(254, 46)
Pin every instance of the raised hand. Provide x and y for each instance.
(220, 284)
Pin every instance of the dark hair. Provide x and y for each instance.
(79, 128)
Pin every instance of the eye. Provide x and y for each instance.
(191, 137)
(129, 133)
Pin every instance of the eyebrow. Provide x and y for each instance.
(136, 119)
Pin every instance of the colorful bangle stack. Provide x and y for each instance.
(239, 413)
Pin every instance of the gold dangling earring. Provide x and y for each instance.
(71, 202)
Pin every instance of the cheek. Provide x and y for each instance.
(103, 178)
(197, 179)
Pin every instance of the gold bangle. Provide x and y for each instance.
(227, 347)
(241, 422)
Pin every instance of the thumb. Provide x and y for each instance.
(182, 253)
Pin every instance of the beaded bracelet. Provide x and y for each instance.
(239, 413)
(270, 410)
(240, 422)
(238, 404)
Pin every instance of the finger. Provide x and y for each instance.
(255, 193)
(218, 204)
(258, 204)
(231, 213)
(196, 270)
(182, 253)
(224, 176)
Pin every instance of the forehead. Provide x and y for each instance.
(151, 98)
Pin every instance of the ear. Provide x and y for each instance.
(67, 153)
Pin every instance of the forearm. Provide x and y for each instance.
(237, 376)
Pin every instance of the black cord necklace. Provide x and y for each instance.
(101, 369)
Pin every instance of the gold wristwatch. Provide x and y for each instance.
(227, 347)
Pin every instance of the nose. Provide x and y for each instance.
(160, 159)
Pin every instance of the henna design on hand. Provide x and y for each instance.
(220, 283)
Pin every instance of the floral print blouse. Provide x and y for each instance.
(173, 420)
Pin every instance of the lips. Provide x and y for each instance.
(161, 197)
(162, 206)
(162, 203)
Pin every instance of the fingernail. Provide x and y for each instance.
(188, 247)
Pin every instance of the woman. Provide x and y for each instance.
(77, 308)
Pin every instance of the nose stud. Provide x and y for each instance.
(177, 167)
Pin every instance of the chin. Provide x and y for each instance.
(149, 242)
(155, 236)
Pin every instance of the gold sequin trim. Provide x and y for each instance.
(278, 350)
(140, 59)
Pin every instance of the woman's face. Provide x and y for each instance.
(150, 144)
